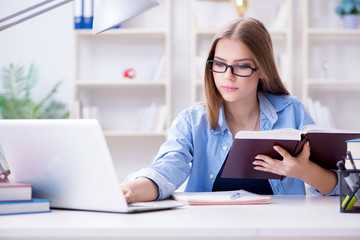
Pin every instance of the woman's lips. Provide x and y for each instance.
(229, 89)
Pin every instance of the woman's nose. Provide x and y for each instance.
(229, 75)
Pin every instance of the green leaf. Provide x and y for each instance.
(16, 102)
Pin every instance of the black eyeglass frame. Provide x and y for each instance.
(210, 62)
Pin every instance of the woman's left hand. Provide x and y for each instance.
(290, 166)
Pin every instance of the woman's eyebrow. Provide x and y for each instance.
(237, 60)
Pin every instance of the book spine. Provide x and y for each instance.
(300, 145)
(159, 73)
(88, 14)
(78, 13)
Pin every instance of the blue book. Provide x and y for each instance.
(20, 207)
(88, 14)
(78, 14)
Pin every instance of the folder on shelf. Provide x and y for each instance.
(78, 14)
(87, 14)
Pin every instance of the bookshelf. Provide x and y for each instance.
(98, 81)
(330, 62)
(275, 14)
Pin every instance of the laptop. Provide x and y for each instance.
(68, 162)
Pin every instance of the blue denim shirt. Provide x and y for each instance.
(195, 151)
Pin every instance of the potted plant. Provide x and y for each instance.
(16, 101)
(349, 10)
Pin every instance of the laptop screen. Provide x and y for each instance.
(67, 161)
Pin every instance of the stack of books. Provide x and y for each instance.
(16, 198)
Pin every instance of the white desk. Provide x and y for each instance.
(294, 217)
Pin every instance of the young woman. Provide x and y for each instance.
(243, 92)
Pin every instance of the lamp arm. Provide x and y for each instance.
(25, 10)
(32, 15)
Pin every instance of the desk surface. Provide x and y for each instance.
(287, 216)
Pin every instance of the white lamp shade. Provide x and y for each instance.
(111, 13)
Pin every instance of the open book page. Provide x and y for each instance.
(221, 198)
(288, 133)
(319, 128)
(284, 133)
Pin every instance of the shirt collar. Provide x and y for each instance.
(271, 104)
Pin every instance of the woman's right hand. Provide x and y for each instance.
(129, 196)
(140, 190)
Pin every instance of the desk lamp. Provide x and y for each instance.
(241, 6)
(108, 13)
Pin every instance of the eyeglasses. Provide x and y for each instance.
(237, 70)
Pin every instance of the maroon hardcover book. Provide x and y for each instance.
(327, 147)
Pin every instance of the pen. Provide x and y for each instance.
(357, 176)
(235, 195)
(351, 160)
(351, 181)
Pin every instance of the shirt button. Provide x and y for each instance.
(211, 176)
(225, 148)
(222, 133)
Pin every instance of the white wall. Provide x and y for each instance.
(45, 41)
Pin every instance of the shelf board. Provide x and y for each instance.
(333, 82)
(123, 31)
(333, 32)
(113, 133)
(111, 84)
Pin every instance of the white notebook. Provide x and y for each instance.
(221, 198)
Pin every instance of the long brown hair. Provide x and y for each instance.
(253, 34)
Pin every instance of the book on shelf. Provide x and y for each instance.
(78, 12)
(145, 118)
(150, 118)
(90, 112)
(76, 109)
(327, 147)
(84, 13)
(221, 198)
(82, 111)
(88, 14)
(158, 68)
(15, 192)
(311, 109)
(160, 122)
(320, 113)
(21, 207)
